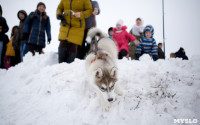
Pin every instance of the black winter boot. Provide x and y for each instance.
(62, 54)
(155, 57)
(137, 56)
(72, 57)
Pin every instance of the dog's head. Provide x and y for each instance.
(105, 79)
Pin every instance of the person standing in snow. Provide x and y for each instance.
(34, 29)
(160, 52)
(110, 32)
(72, 15)
(19, 44)
(181, 54)
(137, 31)
(147, 44)
(3, 38)
(90, 22)
(9, 59)
(121, 37)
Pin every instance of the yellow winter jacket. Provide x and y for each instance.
(10, 49)
(74, 30)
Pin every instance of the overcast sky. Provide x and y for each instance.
(182, 19)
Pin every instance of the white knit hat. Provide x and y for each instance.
(120, 22)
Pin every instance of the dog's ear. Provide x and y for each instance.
(113, 71)
(99, 73)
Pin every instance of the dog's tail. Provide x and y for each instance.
(95, 32)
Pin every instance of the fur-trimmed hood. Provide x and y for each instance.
(24, 12)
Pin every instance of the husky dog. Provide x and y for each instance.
(101, 67)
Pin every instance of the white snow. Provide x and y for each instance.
(40, 91)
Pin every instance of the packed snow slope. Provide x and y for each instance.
(40, 91)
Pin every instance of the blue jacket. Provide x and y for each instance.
(35, 26)
(148, 46)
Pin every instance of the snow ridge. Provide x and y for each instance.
(40, 91)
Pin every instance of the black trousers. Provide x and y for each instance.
(17, 56)
(67, 51)
(34, 48)
(84, 48)
(122, 54)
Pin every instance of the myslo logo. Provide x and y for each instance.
(189, 121)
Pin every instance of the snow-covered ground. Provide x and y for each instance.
(40, 91)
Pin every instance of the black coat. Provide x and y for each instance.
(181, 54)
(4, 25)
(3, 36)
(0, 10)
(19, 34)
(91, 21)
(161, 54)
(5, 40)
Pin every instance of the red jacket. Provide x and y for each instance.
(121, 38)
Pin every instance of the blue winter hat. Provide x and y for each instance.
(149, 28)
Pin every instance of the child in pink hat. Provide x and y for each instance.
(121, 37)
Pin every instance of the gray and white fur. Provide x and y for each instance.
(103, 71)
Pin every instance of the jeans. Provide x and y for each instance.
(1, 50)
(23, 48)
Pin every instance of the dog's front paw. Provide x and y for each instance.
(106, 106)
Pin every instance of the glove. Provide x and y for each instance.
(61, 17)
(25, 36)
(49, 41)
(136, 42)
(64, 22)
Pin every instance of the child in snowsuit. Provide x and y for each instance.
(147, 44)
(121, 37)
(9, 59)
(110, 32)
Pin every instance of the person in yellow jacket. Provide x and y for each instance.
(72, 14)
(9, 59)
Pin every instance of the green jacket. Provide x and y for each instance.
(132, 46)
(74, 30)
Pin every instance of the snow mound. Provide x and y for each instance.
(145, 57)
(40, 91)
